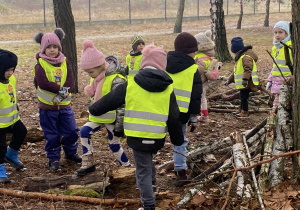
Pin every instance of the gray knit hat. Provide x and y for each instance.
(204, 41)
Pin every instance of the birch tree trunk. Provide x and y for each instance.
(239, 23)
(65, 20)
(296, 86)
(284, 139)
(219, 31)
(178, 22)
(266, 22)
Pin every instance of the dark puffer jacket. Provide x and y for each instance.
(177, 62)
(152, 80)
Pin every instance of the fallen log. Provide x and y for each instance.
(220, 95)
(264, 170)
(240, 160)
(253, 111)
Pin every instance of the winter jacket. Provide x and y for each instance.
(115, 67)
(248, 66)
(152, 80)
(177, 62)
(43, 82)
(128, 58)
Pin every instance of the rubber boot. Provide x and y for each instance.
(87, 165)
(181, 178)
(3, 177)
(74, 158)
(12, 158)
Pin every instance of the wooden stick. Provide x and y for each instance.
(229, 187)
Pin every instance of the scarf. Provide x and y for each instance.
(95, 88)
(58, 59)
(278, 44)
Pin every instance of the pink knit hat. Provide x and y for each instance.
(154, 56)
(90, 57)
(50, 38)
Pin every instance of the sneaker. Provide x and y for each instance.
(74, 158)
(243, 114)
(237, 112)
(202, 119)
(54, 166)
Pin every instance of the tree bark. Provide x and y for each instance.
(264, 170)
(178, 22)
(283, 140)
(296, 86)
(65, 20)
(239, 23)
(219, 31)
(266, 22)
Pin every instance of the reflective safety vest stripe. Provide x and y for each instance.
(133, 63)
(54, 74)
(205, 61)
(8, 103)
(239, 71)
(146, 113)
(183, 84)
(281, 61)
(110, 116)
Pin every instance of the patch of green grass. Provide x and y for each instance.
(83, 192)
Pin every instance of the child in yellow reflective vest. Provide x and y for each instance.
(281, 32)
(134, 58)
(107, 74)
(54, 79)
(9, 115)
(245, 75)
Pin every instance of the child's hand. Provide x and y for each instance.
(226, 83)
(55, 101)
(245, 82)
(269, 85)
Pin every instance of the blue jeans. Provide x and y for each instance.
(179, 154)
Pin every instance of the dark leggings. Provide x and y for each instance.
(18, 131)
(244, 95)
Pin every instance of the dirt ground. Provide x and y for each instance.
(36, 162)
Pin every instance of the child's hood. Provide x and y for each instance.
(153, 80)
(178, 61)
(114, 66)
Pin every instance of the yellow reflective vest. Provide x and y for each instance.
(182, 85)
(133, 63)
(110, 116)
(8, 103)
(206, 61)
(281, 61)
(54, 74)
(239, 71)
(146, 113)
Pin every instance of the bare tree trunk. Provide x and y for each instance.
(283, 139)
(266, 22)
(65, 20)
(219, 31)
(178, 22)
(239, 23)
(296, 85)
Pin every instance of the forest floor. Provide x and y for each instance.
(33, 155)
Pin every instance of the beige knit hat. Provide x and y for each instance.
(204, 41)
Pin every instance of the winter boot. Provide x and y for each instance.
(87, 165)
(74, 158)
(181, 178)
(243, 114)
(54, 166)
(3, 177)
(12, 158)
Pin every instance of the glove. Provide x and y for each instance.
(64, 92)
(226, 83)
(245, 82)
(192, 122)
(269, 85)
(57, 99)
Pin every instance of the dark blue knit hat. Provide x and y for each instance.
(7, 60)
(236, 44)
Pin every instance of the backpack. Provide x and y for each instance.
(213, 71)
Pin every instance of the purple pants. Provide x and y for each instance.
(60, 128)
